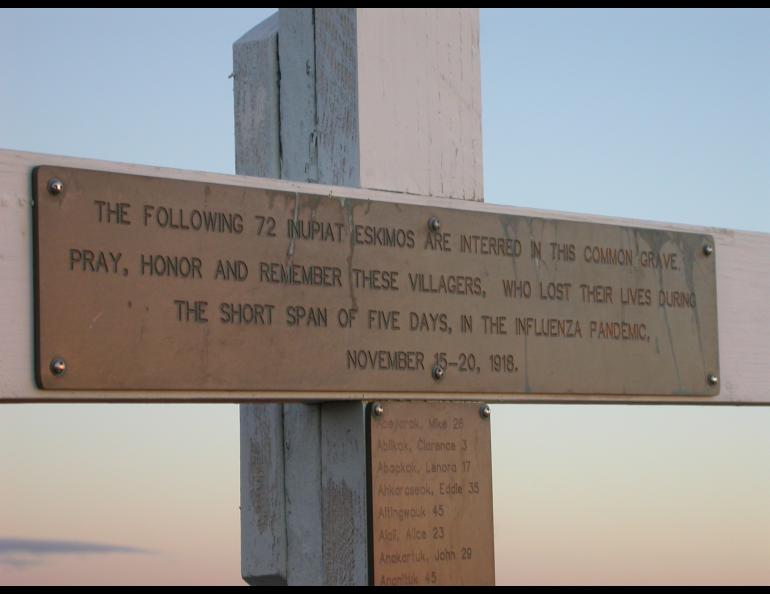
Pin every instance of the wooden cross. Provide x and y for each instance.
(377, 105)
(387, 100)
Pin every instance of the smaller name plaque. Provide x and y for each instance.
(430, 479)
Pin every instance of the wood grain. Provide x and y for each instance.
(263, 509)
(255, 96)
(419, 108)
(264, 530)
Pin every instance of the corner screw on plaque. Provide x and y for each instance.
(377, 409)
(55, 186)
(434, 224)
(485, 411)
(437, 372)
(58, 366)
(713, 380)
(708, 249)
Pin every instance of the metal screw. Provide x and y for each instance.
(377, 409)
(713, 380)
(485, 411)
(708, 249)
(55, 186)
(434, 224)
(438, 372)
(58, 366)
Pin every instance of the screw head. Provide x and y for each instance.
(485, 411)
(434, 224)
(55, 186)
(437, 372)
(708, 249)
(712, 379)
(58, 366)
(377, 409)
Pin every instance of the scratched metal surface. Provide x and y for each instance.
(430, 476)
(475, 298)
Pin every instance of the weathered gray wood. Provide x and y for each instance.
(344, 521)
(329, 126)
(313, 515)
(313, 558)
(264, 542)
(336, 94)
(255, 96)
(263, 513)
(299, 139)
(304, 471)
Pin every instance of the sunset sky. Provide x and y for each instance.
(657, 115)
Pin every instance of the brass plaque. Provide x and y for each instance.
(147, 283)
(430, 491)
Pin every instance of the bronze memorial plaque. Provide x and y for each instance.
(147, 283)
(430, 494)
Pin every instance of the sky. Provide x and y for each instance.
(657, 114)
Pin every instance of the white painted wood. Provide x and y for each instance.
(743, 287)
(419, 107)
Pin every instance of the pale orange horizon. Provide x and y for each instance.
(582, 495)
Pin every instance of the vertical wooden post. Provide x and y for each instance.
(257, 142)
(378, 98)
